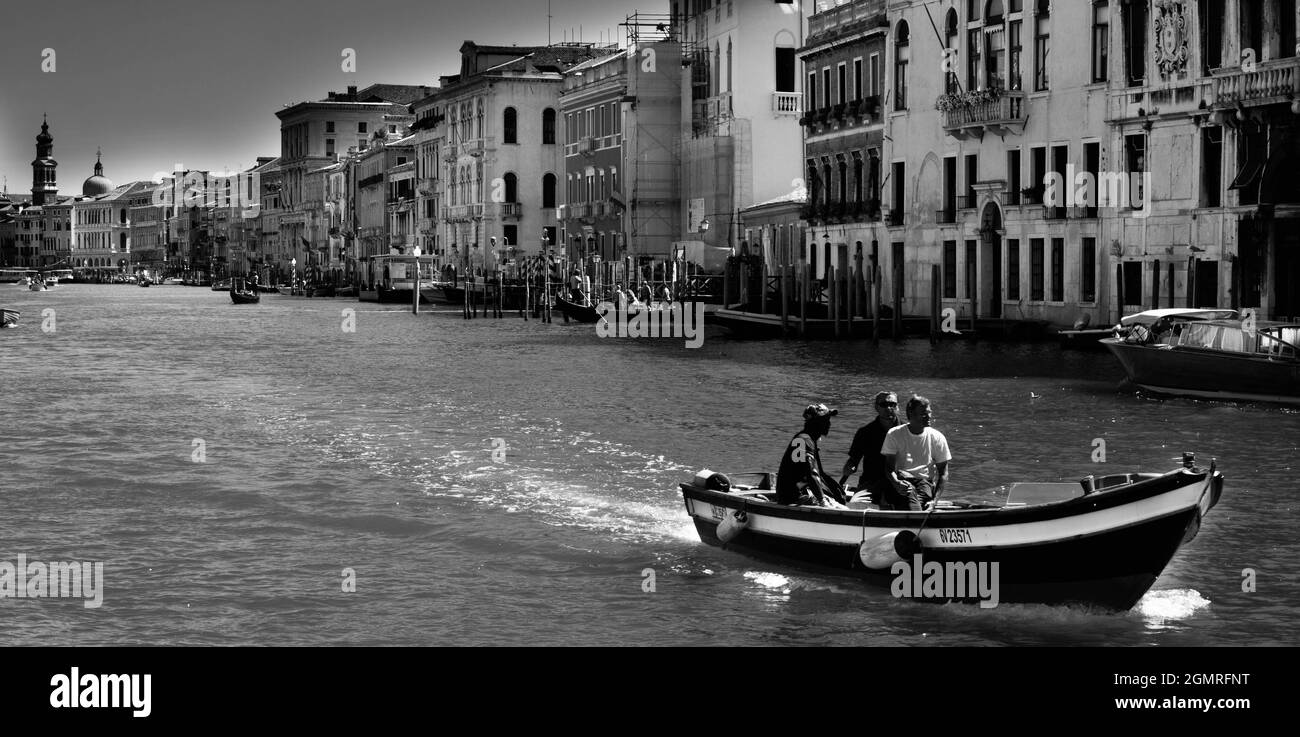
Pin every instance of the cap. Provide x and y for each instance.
(819, 410)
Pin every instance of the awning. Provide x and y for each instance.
(1249, 172)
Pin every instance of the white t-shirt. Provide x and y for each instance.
(916, 453)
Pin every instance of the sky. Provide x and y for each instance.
(154, 84)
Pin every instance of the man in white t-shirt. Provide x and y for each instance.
(917, 456)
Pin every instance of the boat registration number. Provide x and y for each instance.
(954, 535)
(719, 513)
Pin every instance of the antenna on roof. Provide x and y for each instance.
(548, 22)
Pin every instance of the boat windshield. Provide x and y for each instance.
(1234, 337)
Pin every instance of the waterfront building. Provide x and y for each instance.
(621, 120)
(314, 134)
(101, 237)
(741, 141)
(495, 125)
(382, 163)
(272, 251)
(1079, 176)
(844, 125)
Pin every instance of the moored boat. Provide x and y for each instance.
(1101, 542)
(1083, 337)
(221, 285)
(1235, 360)
(9, 318)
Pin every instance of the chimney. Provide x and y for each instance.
(333, 96)
(352, 92)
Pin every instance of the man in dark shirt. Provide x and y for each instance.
(800, 479)
(866, 448)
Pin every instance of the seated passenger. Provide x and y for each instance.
(800, 479)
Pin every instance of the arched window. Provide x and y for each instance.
(548, 125)
(509, 124)
(729, 57)
(827, 178)
(717, 69)
(901, 56)
(548, 190)
(950, 33)
(972, 10)
(814, 186)
(478, 121)
(993, 11)
(844, 179)
(512, 187)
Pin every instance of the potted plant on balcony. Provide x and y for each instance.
(956, 100)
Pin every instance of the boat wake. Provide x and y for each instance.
(1164, 608)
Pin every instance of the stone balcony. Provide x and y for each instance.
(846, 18)
(1270, 82)
(786, 103)
(1007, 114)
(457, 213)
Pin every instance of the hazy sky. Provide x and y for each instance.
(156, 83)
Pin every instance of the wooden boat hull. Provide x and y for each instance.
(577, 312)
(244, 298)
(1207, 373)
(1105, 548)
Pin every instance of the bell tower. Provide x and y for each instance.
(45, 187)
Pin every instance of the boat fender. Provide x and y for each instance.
(879, 552)
(732, 525)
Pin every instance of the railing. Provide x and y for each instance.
(894, 218)
(786, 103)
(946, 216)
(1008, 108)
(843, 15)
(1271, 79)
(1012, 198)
(462, 212)
(511, 209)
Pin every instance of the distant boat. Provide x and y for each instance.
(575, 311)
(38, 286)
(221, 285)
(9, 318)
(243, 293)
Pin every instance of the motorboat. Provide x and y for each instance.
(1242, 359)
(1088, 338)
(1101, 542)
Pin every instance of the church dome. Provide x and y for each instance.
(97, 184)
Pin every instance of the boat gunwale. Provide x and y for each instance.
(1095, 501)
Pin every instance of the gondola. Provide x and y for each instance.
(243, 293)
(575, 311)
(1101, 542)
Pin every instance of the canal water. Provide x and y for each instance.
(512, 482)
